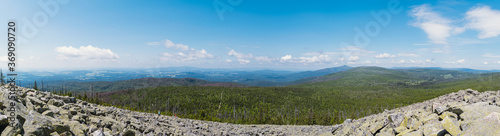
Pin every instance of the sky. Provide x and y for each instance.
(279, 34)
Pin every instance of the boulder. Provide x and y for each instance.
(38, 130)
(48, 113)
(54, 134)
(54, 102)
(377, 126)
(68, 99)
(74, 110)
(400, 129)
(60, 128)
(448, 114)
(396, 119)
(41, 109)
(450, 126)
(129, 132)
(4, 122)
(98, 132)
(79, 118)
(477, 111)
(77, 128)
(487, 126)
(414, 124)
(414, 133)
(12, 131)
(36, 101)
(438, 108)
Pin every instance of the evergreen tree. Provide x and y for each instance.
(35, 86)
(1, 76)
(42, 85)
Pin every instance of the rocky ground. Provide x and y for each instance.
(466, 112)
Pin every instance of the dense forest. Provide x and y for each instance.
(314, 103)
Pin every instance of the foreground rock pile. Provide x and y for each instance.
(42, 113)
(464, 113)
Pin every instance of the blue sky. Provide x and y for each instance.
(298, 35)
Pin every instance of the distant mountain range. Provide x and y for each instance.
(366, 76)
(250, 78)
(106, 86)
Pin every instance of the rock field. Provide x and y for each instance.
(37, 113)
(464, 113)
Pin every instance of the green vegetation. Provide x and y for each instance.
(325, 100)
(106, 86)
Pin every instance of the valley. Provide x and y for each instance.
(323, 100)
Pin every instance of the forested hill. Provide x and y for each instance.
(105, 86)
(363, 76)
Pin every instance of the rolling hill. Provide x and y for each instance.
(105, 86)
(371, 76)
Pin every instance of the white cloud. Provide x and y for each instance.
(351, 48)
(186, 53)
(325, 53)
(437, 27)
(461, 61)
(384, 56)
(86, 53)
(34, 58)
(285, 58)
(315, 59)
(228, 60)
(4, 58)
(485, 63)
(411, 61)
(498, 62)
(485, 20)
(170, 44)
(239, 55)
(421, 44)
(341, 59)
(243, 61)
(354, 50)
(442, 49)
(153, 43)
(353, 58)
(264, 59)
(408, 55)
(491, 56)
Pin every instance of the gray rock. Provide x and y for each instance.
(68, 99)
(48, 113)
(60, 128)
(487, 126)
(54, 102)
(129, 132)
(450, 126)
(438, 108)
(396, 119)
